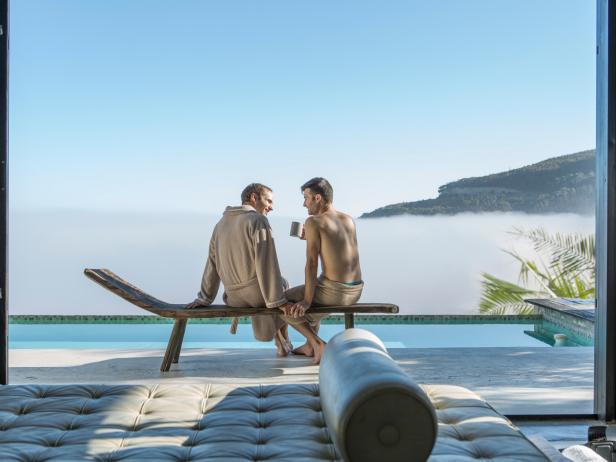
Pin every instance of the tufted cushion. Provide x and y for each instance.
(174, 422)
(469, 429)
(373, 409)
(163, 422)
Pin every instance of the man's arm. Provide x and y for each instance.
(266, 266)
(210, 282)
(313, 250)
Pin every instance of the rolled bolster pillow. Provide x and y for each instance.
(373, 410)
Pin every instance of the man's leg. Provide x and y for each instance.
(283, 344)
(272, 327)
(315, 345)
(295, 294)
(264, 328)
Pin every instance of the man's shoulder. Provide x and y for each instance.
(255, 222)
(333, 217)
(248, 218)
(341, 215)
(313, 221)
(259, 218)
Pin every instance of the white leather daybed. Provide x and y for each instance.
(365, 408)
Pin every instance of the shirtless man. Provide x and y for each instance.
(331, 238)
(242, 255)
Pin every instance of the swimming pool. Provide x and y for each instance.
(215, 335)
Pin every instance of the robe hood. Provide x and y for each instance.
(237, 210)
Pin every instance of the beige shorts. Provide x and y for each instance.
(327, 293)
(331, 293)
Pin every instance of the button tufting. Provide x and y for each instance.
(229, 411)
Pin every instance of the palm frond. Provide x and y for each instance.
(572, 253)
(527, 267)
(502, 297)
(570, 272)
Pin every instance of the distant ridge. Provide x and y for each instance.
(564, 184)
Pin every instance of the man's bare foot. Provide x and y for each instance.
(285, 335)
(318, 349)
(305, 350)
(281, 350)
(283, 347)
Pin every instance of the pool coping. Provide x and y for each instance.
(332, 319)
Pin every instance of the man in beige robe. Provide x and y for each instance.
(243, 256)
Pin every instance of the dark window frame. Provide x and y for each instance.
(605, 327)
(4, 133)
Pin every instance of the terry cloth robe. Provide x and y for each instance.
(242, 255)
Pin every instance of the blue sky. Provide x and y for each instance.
(174, 106)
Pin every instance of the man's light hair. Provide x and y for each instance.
(320, 186)
(256, 188)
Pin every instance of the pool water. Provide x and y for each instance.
(142, 336)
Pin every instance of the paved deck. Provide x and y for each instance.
(514, 380)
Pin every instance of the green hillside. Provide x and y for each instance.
(556, 185)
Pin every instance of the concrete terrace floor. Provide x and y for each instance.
(516, 381)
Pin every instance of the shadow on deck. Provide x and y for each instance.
(513, 380)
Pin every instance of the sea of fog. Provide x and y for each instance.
(426, 265)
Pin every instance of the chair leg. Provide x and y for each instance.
(171, 347)
(349, 320)
(178, 347)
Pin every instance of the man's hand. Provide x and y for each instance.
(299, 309)
(303, 235)
(196, 304)
(286, 308)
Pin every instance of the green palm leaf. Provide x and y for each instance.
(502, 297)
(573, 253)
(569, 272)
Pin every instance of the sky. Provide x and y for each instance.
(174, 106)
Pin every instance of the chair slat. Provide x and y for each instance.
(131, 293)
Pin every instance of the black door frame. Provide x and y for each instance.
(605, 327)
(4, 137)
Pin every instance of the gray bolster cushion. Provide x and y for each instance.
(373, 410)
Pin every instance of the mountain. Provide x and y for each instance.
(556, 185)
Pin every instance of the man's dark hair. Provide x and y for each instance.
(320, 186)
(256, 188)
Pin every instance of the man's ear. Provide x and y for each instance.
(318, 197)
(254, 198)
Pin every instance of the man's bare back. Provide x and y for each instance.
(331, 238)
(338, 254)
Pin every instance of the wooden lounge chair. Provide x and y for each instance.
(178, 311)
